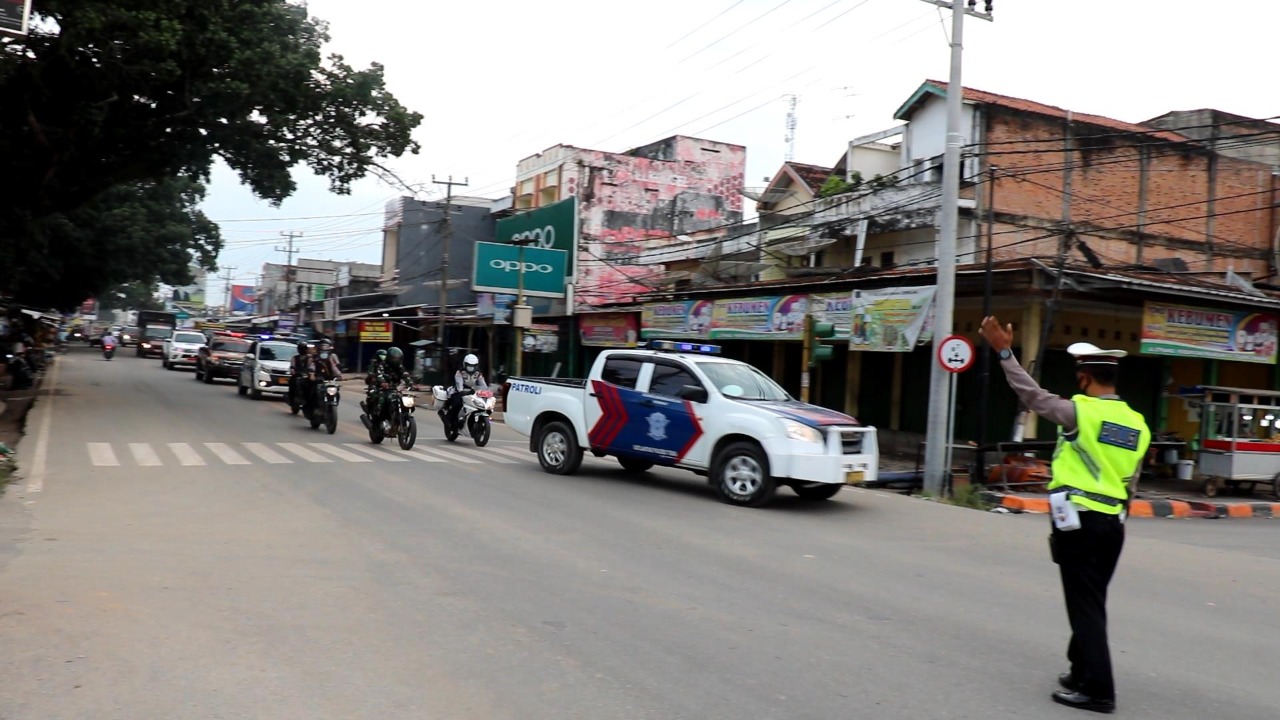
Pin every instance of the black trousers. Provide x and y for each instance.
(1087, 559)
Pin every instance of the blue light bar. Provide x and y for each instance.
(683, 347)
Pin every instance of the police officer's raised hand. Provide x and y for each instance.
(997, 335)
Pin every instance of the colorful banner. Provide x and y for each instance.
(834, 308)
(244, 298)
(1193, 332)
(891, 319)
(375, 331)
(774, 318)
(609, 330)
(541, 338)
(670, 321)
(496, 306)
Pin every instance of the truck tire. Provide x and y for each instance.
(558, 450)
(741, 476)
(634, 466)
(817, 492)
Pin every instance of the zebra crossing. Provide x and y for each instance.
(189, 455)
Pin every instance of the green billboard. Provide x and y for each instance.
(497, 268)
(551, 227)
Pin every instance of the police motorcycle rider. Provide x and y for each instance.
(319, 365)
(392, 374)
(467, 381)
(372, 393)
(297, 372)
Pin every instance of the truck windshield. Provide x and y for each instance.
(742, 382)
(189, 338)
(158, 333)
(280, 352)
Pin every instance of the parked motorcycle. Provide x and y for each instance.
(324, 411)
(475, 418)
(19, 371)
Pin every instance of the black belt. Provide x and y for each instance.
(1104, 499)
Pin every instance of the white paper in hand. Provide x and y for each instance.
(1065, 515)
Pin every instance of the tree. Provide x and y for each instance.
(131, 234)
(131, 296)
(109, 93)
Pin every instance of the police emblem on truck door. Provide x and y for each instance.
(658, 426)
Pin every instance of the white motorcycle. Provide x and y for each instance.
(475, 419)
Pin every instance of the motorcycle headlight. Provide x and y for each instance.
(407, 401)
(489, 403)
(801, 432)
(331, 390)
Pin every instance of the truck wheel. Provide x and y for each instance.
(741, 475)
(816, 492)
(558, 450)
(634, 466)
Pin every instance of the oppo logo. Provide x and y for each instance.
(514, 265)
(544, 237)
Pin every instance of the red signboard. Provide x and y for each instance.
(611, 330)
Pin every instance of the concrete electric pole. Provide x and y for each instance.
(288, 268)
(227, 279)
(446, 237)
(940, 409)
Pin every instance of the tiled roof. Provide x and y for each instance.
(813, 175)
(938, 87)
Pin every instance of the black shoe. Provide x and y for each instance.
(1068, 682)
(1083, 702)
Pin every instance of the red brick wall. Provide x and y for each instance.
(1105, 194)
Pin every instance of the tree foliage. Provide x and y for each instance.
(138, 295)
(115, 93)
(145, 232)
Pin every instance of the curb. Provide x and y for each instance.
(1149, 508)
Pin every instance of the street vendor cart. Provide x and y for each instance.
(1239, 438)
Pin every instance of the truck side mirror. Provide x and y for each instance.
(693, 393)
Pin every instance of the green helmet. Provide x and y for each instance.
(381, 354)
(395, 356)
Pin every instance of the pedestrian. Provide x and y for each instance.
(1101, 443)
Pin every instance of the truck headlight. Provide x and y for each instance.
(802, 432)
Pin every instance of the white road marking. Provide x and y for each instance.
(486, 453)
(304, 453)
(266, 453)
(339, 453)
(226, 454)
(186, 455)
(524, 455)
(144, 455)
(376, 452)
(100, 454)
(426, 457)
(40, 464)
(450, 456)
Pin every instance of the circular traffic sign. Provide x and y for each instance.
(955, 354)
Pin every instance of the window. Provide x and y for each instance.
(279, 352)
(621, 371)
(669, 380)
(886, 259)
(190, 338)
(742, 382)
(234, 346)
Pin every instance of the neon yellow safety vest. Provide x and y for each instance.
(1106, 449)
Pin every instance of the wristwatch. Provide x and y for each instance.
(1006, 353)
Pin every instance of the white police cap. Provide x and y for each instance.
(1090, 354)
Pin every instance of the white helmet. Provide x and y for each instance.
(471, 363)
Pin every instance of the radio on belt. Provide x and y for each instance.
(683, 347)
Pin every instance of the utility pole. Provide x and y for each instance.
(226, 291)
(936, 440)
(447, 237)
(288, 268)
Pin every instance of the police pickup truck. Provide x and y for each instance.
(679, 405)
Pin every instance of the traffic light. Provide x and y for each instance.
(819, 331)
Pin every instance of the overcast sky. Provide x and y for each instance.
(500, 80)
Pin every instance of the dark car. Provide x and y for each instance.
(222, 357)
(129, 337)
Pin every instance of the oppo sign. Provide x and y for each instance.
(545, 237)
(514, 266)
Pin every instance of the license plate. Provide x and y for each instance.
(856, 476)
(282, 381)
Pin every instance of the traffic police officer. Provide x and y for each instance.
(1101, 443)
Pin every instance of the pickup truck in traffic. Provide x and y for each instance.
(680, 405)
(154, 326)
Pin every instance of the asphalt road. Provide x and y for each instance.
(188, 553)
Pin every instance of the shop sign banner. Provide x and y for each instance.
(609, 330)
(498, 307)
(772, 318)
(670, 320)
(891, 319)
(498, 268)
(541, 338)
(550, 227)
(375, 331)
(1195, 332)
(834, 308)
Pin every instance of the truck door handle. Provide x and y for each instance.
(592, 395)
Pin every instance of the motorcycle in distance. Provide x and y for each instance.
(401, 425)
(108, 352)
(475, 418)
(324, 411)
